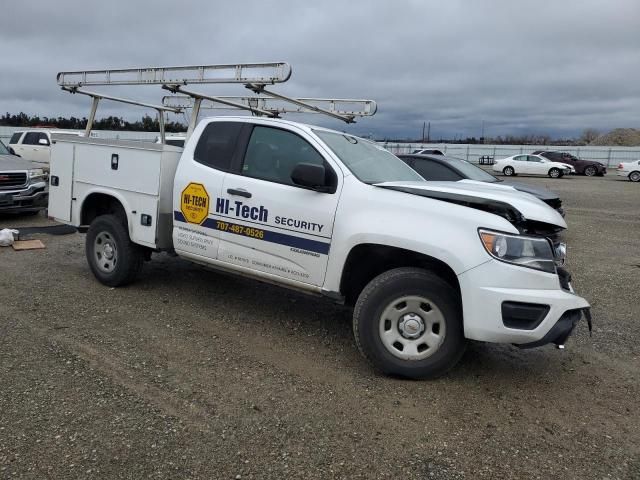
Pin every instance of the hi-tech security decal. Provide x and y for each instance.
(194, 203)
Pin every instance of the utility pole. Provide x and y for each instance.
(482, 134)
(429, 133)
(423, 125)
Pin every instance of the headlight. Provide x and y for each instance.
(36, 173)
(531, 252)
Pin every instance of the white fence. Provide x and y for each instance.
(610, 156)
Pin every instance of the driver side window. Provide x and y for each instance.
(272, 154)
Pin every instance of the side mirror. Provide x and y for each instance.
(43, 141)
(310, 175)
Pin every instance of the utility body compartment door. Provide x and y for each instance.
(61, 181)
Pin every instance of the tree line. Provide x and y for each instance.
(145, 124)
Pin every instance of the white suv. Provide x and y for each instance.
(35, 144)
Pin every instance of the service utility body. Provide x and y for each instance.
(426, 265)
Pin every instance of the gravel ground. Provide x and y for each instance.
(189, 373)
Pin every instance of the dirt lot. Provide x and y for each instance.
(193, 374)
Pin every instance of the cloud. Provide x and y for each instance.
(528, 66)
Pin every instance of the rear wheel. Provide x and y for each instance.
(408, 322)
(555, 173)
(508, 171)
(113, 258)
(590, 171)
(634, 176)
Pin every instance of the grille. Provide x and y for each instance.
(12, 179)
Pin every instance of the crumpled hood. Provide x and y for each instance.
(529, 206)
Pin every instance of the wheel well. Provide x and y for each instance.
(367, 261)
(98, 204)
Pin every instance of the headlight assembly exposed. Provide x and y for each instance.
(531, 252)
(36, 173)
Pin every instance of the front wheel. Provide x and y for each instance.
(590, 171)
(555, 173)
(113, 258)
(508, 171)
(634, 176)
(407, 322)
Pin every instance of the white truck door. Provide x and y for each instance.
(198, 186)
(61, 181)
(266, 222)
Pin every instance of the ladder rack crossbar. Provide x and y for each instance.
(340, 106)
(259, 73)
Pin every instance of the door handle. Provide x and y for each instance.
(238, 191)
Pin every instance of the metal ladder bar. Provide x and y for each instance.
(259, 89)
(260, 73)
(222, 100)
(335, 105)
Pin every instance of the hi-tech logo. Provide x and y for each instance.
(238, 209)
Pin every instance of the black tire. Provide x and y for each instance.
(394, 285)
(555, 173)
(591, 171)
(634, 176)
(508, 171)
(128, 259)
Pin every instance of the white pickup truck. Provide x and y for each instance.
(426, 265)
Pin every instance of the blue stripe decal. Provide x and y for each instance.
(269, 235)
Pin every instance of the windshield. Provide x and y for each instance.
(369, 162)
(3, 149)
(471, 171)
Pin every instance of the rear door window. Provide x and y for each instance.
(217, 144)
(31, 138)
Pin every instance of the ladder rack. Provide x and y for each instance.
(254, 76)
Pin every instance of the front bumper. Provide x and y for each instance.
(486, 288)
(34, 197)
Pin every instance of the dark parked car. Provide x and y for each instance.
(440, 168)
(583, 167)
(428, 151)
(23, 184)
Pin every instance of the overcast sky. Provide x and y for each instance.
(539, 66)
